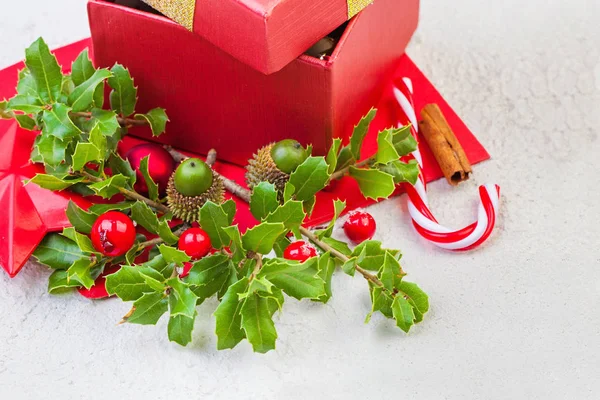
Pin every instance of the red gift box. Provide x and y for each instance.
(216, 100)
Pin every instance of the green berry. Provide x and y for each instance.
(288, 155)
(193, 177)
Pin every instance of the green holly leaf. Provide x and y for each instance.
(81, 272)
(360, 131)
(381, 301)
(338, 245)
(129, 284)
(404, 142)
(229, 318)
(26, 103)
(402, 172)
(263, 200)
(280, 245)
(213, 218)
(143, 215)
(109, 187)
(332, 155)
(403, 313)
(326, 268)
(260, 239)
(106, 121)
(83, 241)
(349, 267)
(338, 207)
(390, 273)
(152, 186)
(210, 275)
(165, 232)
(58, 123)
(26, 84)
(51, 149)
(123, 97)
(5, 113)
(417, 298)
(148, 309)
(157, 266)
(85, 153)
(66, 88)
(257, 322)
(345, 158)
(52, 182)
(309, 178)
(123, 167)
(386, 152)
(180, 329)
(81, 220)
(291, 214)
(298, 280)
(82, 68)
(100, 209)
(156, 118)
(44, 69)
(288, 191)
(82, 98)
(373, 184)
(182, 300)
(58, 282)
(25, 122)
(370, 255)
(58, 252)
(173, 255)
(236, 246)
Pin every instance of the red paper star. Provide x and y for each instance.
(27, 212)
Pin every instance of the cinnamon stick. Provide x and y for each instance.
(445, 146)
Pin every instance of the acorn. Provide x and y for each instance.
(275, 162)
(191, 185)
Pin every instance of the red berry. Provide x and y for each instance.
(186, 269)
(160, 165)
(195, 243)
(299, 251)
(113, 234)
(360, 226)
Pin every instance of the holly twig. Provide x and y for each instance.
(127, 122)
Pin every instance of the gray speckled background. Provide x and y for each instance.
(517, 319)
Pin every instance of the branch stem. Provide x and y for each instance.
(342, 172)
(128, 122)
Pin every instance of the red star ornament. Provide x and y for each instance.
(27, 212)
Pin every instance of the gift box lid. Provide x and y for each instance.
(265, 34)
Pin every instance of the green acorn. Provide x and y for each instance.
(275, 162)
(191, 185)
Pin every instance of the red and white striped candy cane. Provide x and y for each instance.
(418, 207)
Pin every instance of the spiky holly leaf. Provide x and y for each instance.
(57, 123)
(27, 84)
(59, 283)
(123, 96)
(263, 200)
(291, 214)
(417, 298)
(403, 313)
(182, 300)
(208, 275)
(81, 220)
(50, 150)
(100, 209)
(213, 218)
(229, 318)
(83, 241)
(402, 172)
(123, 167)
(236, 246)
(52, 182)
(326, 268)
(58, 252)
(257, 321)
(180, 329)
(81, 272)
(44, 69)
(25, 122)
(309, 178)
(403, 140)
(390, 274)
(359, 133)
(148, 309)
(332, 155)
(373, 184)
(260, 238)
(157, 119)
(173, 255)
(26, 103)
(386, 152)
(85, 153)
(152, 186)
(165, 232)
(143, 215)
(82, 98)
(109, 187)
(296, 279)
(338, 245)
(370, 255)
(129, 284)
(106, 121)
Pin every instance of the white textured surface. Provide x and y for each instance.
(517, 319)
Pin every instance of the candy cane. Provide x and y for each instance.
(418, 207)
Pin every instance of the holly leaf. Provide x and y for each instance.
(123, 97)
(58, 123)
(182, 300)
(338, 207)
(373, 183)
(359, 133)
(263, 200)
(165, 232)
(44, 69)
(106, 121)
(257, 322)
(129, 284)
(213, 218)
(58, 282)
(326, 268)
(236, 245)
(390, 273)
(370, 255)
(417, 298)
(123, 167)
(99, 140)
(82, 98)
(82, 68)
(386, 152)
(208, 275)
(83, 241)
(180, 329)
(402, 172)
(338, 245)
(403, 313)
(100, 209)
(260, 238)
(152, 186)
(66, 88)
(81, 220)
(403, 140)
(173, 255)
(148, 309)
(298, 280)
(109, 187)
(26, 103)
(229, 318)
(310, 177)
(332, 155)
(52, 182)
(381, 301)
(349, 267)
(24, 121)
(156, 118)
(58, 252)
(85, 153)
(51, 149)
(345, 158)
(143, 215)
(291, 214)
(80, 272)
(288, 191)
(26, 84)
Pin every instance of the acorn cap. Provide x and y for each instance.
(187, 208)
(262, 168)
